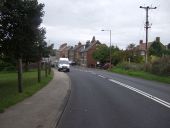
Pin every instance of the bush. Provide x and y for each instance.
(131, 66)
(147, 67)
(161, 66)
(4, 66)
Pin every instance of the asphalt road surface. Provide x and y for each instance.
(100, 99)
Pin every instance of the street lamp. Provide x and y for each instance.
(110, 58)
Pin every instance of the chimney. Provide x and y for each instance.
(141, 42)
(157, 39)
(79, 43)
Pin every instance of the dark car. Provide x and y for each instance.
(107, 66)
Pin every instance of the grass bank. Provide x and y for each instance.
(142, 74)
(9, 90)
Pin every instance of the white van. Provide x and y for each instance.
(63, 64)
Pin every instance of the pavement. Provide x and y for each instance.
(43, 109)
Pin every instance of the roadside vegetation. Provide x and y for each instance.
(131, 62)
(9, 91)
(142, 74)
(24, 51)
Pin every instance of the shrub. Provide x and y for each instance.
(131, 66)
(161, 66)
(4, 66)
(147, 67)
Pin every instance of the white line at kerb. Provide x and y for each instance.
(143, 93)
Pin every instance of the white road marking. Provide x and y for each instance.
(158, 100)
(93, 73)
(101, 76)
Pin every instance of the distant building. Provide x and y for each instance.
(86, 52)
(80, 54)
(76, 50)
(141, 48)
(63, 50)
(71, 53)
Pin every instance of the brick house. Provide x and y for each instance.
(63, 50)
(76, 50)
(141, 48)
(87, 53)
(71, 53)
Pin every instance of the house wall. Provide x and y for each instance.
(83, 59)
(77, 55)
(71, 54)
(90, 61)
(62, 50)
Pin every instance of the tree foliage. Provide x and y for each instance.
(156, 49)
(19, 21)
(101, 53)
(19, 30)
(116, 55)
(168, 46)
(131, 46)
(131, 54)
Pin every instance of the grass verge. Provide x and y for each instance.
(9, 90)
(142, 74)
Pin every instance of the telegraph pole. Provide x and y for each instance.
(147, 25)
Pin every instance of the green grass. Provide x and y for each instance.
(142, 74)
(9, 90)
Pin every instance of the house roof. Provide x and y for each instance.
(90, 46)
(63, 46)
(77, 46)
(142, 46)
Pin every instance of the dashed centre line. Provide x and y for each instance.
(101, 76)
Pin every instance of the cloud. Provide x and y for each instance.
(78, 20)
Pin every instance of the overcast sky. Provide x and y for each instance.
(71, 21)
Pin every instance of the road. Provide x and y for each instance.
(100, 99)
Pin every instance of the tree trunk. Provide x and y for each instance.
(49, 68)
(26, 66)
(20, 78)
(39, 71)
(46, 68)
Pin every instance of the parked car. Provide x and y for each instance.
(72, 62)
(99, 66)
(107, 66)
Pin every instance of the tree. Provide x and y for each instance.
(168, 46)
(131, 46)
(116, 55)
(130, 51)
(167, 51)
(131, 54)
(157, 49)
(19, 22)
(101, 53)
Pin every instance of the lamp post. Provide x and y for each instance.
(110, 58)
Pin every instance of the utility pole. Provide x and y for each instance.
(147, 25)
